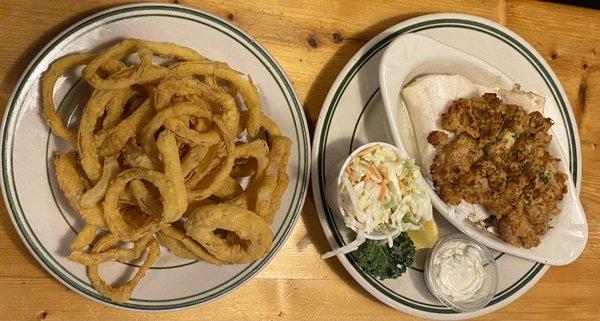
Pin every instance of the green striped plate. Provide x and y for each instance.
(40, 213)
(353, 114)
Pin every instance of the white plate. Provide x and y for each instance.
(353, 114)
(42, 217)
(413, 55)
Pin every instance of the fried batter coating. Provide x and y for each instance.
(499, 158)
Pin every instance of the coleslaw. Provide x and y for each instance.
(381, 192)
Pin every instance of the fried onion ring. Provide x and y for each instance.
(122, 293)
(167, 146)
(236, 79)
(175, 152)
(254, 243)
(145, 72)
(229, 112)
(113, 254)
(114, 219)
(84, 238)
(118, 136)
(186, 243)
(73, 186)
(275, 180)
(192, 159)
(229, 190)
(55, 70)
(96, 193)
(148, 132)
(174, 246)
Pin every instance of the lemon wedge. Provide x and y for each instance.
(426, 237)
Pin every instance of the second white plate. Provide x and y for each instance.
(353, 114)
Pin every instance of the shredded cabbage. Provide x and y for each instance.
(382, 192)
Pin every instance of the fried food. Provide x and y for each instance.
(122, 293)
(157, 160)
(185, 243)
(232, 234)
(73, 185)
(499, 158)
(85, 237)
(55, 70)
(96, 193)
(174, 245)
(238, 82)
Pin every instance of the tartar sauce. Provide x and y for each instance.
(458, 270)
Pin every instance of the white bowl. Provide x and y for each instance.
(413, 55)
(333, 194)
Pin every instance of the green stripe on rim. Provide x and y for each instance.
(292, 213)
(377, 47)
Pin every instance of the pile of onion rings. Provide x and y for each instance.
(176, 153)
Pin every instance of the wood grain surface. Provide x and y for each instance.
(313, 40)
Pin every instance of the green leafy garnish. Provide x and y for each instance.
(545, 179)
(379, 260)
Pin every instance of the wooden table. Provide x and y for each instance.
(313, 40)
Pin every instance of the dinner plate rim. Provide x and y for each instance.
(269, 62)
(538, 269)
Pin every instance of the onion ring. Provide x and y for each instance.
(222, 173)
(229, 190)
(174, 246)
(73, 186)
(134, 156)
(144, 198)
(167, 147)
(122, 293)
(258, 150)
(275, 181)
(191, 136)
(92, 196)
(187, 243)
(269, 125)
(190, 86)
(84, 238)
(88, 152)
(113, 254)
(180, 109)
(221, 71)
(114, 220)
(255, 241)
(55, 70)
(192, 159)
(145, 72)
(112, 67)
(127, 198)
(118, 136)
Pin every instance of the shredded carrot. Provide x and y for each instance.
(366, 151)
(377, 174)
(349, 172)
(383, 191)
(367, 175)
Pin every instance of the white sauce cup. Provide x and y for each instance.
(483, 295)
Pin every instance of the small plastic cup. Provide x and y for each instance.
(484, 294)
